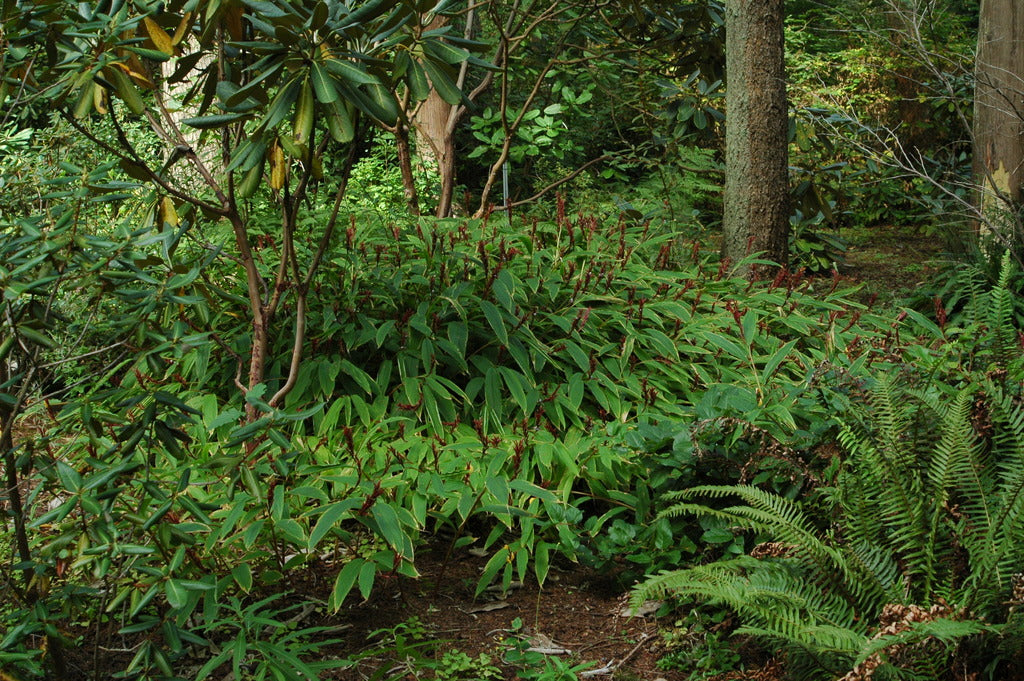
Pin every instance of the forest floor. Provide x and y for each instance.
(402, 632)
(891, 262)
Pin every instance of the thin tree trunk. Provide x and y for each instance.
(412, 199)
(756, 218)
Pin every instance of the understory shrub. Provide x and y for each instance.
(907, 557)
(504, 386)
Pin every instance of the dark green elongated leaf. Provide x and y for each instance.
(361, 378)
(382, 332)
(496, 320)
(505, 509)
(69, 477)
(777, 358)
(749, 324)
(465, 505)
(497, 562)
(499, 487)
(492, 391)
(340, 123)
(155, 55)
(433, 396)
(368, 12)
(730, 346)
(575, 391)
(292, 531)
(248, 155)
(541, 561)
(329, 519)
(138, 627)
(514, 383)
(177, 594)
(390, 527)
(281, 104)
(444, 52)
(458, 334)
(576, 353)
(349, 72)
(380, 103)
(126, 90)
(533, 490)
(367, 573)
(443, 83)
(214, 121)
(157, 515)
(662, 343)
(36, 337)
(245, 432)
(267, 10)
(504, 288)
(419, 86)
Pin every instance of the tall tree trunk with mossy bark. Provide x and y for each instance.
(756, 218)
(999, 120)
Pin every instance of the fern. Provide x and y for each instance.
(924, 510)
(1001, 316)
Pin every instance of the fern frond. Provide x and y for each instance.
(1001, 313)
(785, 521)
(947, 630)
(995, 548)
(772, 596)
(881, 578)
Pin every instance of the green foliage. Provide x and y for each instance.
(906, 557)
(502, 385)
(409, 648)
(375, 193)
(529, 388)
(696, 645)
(266, 641)
(813, 248)
(883, 108)
(977, 308)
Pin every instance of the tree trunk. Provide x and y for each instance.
(436, 146)
(999, 118)
(412, 199)
(756, 218)
(435, 139)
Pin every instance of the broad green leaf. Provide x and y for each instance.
(443, 83)
(496, 320)
(177, 594)
(541, 561)
(344, 582)
(514, 383)
(730, 346)
(533, 490)
(776, 359)
(323, 84)
(390, 527)
(329, 519)
(578, 356)
(367, 573)
(214, 121)
(498, 561)
(349, 72)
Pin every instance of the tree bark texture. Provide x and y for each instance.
(435, 136)
(756, 215)
(412, 199)
(999, 116)
(436, 146)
